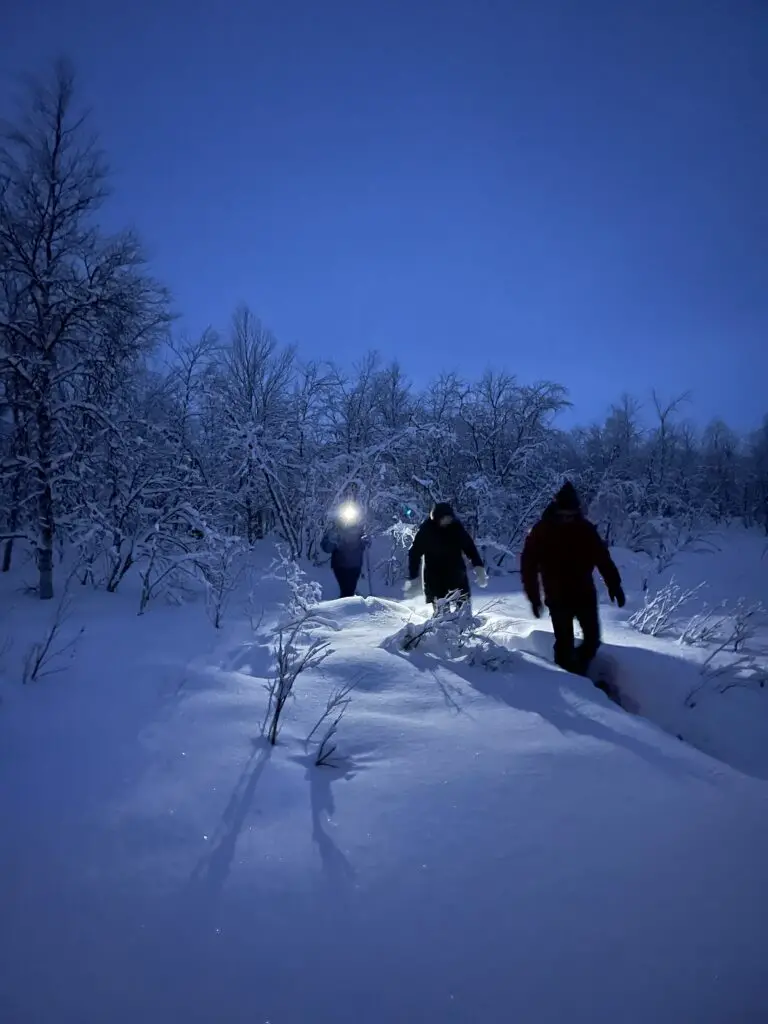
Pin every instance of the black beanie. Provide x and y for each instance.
(567, 499)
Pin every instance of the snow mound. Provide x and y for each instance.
(459, 638)
(482, 835)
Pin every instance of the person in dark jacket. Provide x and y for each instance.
(346, 542)
(564, 548)
(442, 543)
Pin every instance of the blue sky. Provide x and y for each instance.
(565, 190)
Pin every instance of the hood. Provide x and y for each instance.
(442, 509)
(567, 499)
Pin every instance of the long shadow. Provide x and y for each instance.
(542, 693)
(212, 870)
(426, 663)
(184, 933)
(336, 864)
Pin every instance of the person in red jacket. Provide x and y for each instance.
(564, 548)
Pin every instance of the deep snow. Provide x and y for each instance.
(494, 846)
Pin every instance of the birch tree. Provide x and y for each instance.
(82, 303)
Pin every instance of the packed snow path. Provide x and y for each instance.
(493, 847)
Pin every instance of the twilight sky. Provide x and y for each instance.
(570, 189)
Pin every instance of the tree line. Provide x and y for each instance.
(146, 452)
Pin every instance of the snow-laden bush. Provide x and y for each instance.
(295, 649)
(659, 610)
(221, 566)
(401, 536)
(455, 634)
(304, 594)
(732, 662)
(166, 571)
(704, 627)
(729, 628)
(120, 453)
(748, 671)
(664, 539)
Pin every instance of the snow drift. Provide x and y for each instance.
(490, 846)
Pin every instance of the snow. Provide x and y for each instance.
(492, 846)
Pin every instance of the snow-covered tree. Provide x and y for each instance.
(77, 306)
(170, 460)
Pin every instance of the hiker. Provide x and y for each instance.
(564, 548)
(443, 542)
(346, 542)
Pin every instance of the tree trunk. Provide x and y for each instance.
(249, 527)
(13, 523)
(8, 555)
(45, 512)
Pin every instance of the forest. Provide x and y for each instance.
(143, 451)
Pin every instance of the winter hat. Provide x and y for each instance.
(441, 510)
(566, 499)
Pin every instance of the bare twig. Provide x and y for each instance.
(658, 609)
(746, 669)
(290, 662)
(336, 707)
(39, 659)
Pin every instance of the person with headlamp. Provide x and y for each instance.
(346, 542)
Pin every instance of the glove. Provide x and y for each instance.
(618, 597)
(410, 588)
(481, 576)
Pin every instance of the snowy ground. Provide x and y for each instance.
(493, 846)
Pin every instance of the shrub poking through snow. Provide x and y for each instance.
(745, 672)
(392, 567)
(338, 702)
(704, 628)
(659, 609)
(455, 634)
(221, 567)
(447, 624)
(295, 653)
(165, 571)
(43, 657)
(729, 628)
(304, 594)
(730, 634)
(295, 649)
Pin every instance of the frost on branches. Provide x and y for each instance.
(660, 609)
(455, 634)
(296, 649)
(156, 456)
(734, 659)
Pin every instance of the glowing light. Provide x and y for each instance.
(349, 513)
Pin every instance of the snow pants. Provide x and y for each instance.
(347, 580)
(563, 613)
